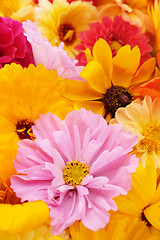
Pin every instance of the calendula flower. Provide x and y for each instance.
(17, 9)
(117, 33)
(14, 46)
(119, 227)
(142, 119)
(76, 166)
(24, 95)
(143, 200)
(19, 220)
(57, 57)
(110, 83)
(61, 21)
(131, 10)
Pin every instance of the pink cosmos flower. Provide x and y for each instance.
(117, 33)
(14, 46)
(51, 57)
(76, 166)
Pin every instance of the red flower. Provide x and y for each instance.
(117, 33)
(14, 46)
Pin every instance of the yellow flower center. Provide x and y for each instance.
(67, 33)
(7, 196)
(24, 129)
(74, 172)
(151, 140)
(115, 45)
(140, 4)
(8, 7)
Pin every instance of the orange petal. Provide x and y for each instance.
(152, 88)
(94, 106)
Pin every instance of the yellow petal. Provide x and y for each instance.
(93, 73)
(144, 73)
(152, 213)
(79, 91)
(125, 64)
(94, 106)
(102, 53)
(88, 54)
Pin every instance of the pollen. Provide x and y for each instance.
(67, 33)
(24, 129)
(151, 140)
(7, 8)
(74, 173)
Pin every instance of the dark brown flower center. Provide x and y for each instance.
(24, 129)
(114, 98)
(7, 196)
(67, 33)
(144, 219)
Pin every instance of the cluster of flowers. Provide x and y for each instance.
(80, 120)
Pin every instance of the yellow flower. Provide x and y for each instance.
(143, 200)
(61, 21)
(18, 221)
(130, 10)
(142, 119)
(120, 227)
(110, 83)
(17, 9)
(154, 13)
(24, 95)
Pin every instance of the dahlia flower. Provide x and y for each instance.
(152, 88)
(142, 119)
(116, 33)
(76, 166)
(14, 46)
(57, 58)
(61, 21)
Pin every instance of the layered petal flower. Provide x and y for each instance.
(76, 168)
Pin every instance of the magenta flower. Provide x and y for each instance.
(14, 46)
(76, 166)
(117, 33)
(51, 57)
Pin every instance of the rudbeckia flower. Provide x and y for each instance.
(110, 83)
(57, 57)
(142, 119)
(61, 21)
(116, 33)
(143, 201)
(76, 166)
(17, 9)
(24, 95)
(14, 46)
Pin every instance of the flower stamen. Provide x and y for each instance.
(24, 129)
(66, 33)
(74, 172)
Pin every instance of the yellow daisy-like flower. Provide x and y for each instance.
(120, 227)
(24, 95)
(142, 119)
(110, 83)
(143, 200)
(17, 9)
(134, 11)
(154, 13)
(61, 21)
